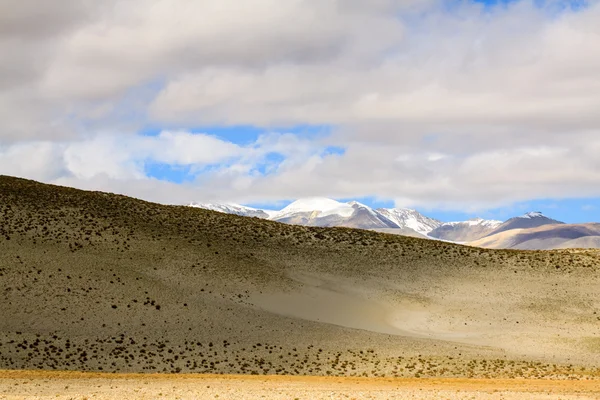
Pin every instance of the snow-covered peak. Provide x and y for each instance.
(532, 214)
(408, 218)
(313, 204)
(321, 206)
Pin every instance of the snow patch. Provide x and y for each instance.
(531, 214)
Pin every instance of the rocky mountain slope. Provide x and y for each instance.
(464, 231)
(406, 218)
(99, 282)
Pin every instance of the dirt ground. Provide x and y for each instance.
(78, 386)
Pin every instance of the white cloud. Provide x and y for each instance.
(304, 167)
(112, 156)
(434, 105)
(38, 160)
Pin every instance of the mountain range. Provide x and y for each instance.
(324, 212)
(532, 230)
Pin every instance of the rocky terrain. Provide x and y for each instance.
(464, 231)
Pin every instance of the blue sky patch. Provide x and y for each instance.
(168, 172)
(565, 210)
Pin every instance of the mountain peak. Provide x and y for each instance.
(355, 203)
(532, 214)
(313, 204)
(408, 218)
(532, 219)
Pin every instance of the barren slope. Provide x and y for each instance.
(94, 281)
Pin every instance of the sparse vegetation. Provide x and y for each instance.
(100, 282)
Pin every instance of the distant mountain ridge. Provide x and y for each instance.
(324, 212)
(544, 237)
(528, 220)
(532, 230)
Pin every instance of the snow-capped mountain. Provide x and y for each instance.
(412, 219)
(237, 209)
(326, 212)
(464, 231)
(320, 211)
(528, 220)
(531, 215)
(317, 207)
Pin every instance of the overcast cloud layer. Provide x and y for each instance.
(433, 104)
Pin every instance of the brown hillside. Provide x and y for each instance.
(95, 281)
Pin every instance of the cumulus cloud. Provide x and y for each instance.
(114, 156)
(438, 105)
(120, 163)
(305, 167)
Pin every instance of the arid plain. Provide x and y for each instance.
(95, 282)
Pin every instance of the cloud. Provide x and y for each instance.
(434, 104)
(113, 156)
(119, 163)
(37, 160)
(448, 72)
(279, 166)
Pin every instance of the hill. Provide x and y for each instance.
(99, 282)
(544, 237)
(528, 220)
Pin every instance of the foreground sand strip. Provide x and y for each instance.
(76, 385)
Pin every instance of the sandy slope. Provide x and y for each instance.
(63, 386)
(97, 282)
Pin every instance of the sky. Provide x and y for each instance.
(455, 108)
